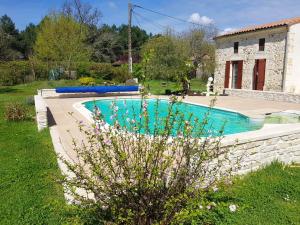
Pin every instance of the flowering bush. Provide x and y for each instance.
(148, 177)
(87, 81)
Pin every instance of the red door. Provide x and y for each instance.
(240, 74)
(259, 74)
(227, 74)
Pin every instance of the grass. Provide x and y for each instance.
(269, 196)
(156, 87)
(31, 194)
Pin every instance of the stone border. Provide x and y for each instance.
(265, 95)
(256, 153)
(61, 152)
(41, 110)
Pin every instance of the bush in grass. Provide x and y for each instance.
(130, 177)
(106, 71)
(15, 112)
(87, 81)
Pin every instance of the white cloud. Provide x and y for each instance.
(111, 4)
(227, 30)
(203, 20)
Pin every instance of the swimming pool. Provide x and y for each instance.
(130, 110)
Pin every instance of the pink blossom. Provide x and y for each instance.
(116, 108)
(107, 142)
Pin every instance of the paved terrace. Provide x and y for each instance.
(67, 128)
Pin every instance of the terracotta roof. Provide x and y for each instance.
(285, 22)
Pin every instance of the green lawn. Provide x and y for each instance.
(156, 87)
(267, 197)
(31, 194)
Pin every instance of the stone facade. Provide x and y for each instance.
(257, 153)
(292, 72)
(274, 53)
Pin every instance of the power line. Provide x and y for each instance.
(136, 19)
(172, 17)
(155, 24)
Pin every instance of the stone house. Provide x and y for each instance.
(263, 58)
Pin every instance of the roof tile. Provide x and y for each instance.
(285, 22)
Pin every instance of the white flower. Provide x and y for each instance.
(208, 207)
(232, 208)
(128, 120)
(215, 189)
(200, 207)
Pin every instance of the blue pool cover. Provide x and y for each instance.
(96, 89)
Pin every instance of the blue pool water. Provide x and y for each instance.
(129, 110)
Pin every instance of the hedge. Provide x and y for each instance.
(16, 72)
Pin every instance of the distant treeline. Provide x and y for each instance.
(107, 43)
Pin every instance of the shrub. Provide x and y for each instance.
(108, 72)
(15, 112)
(87, 81)
(14, 72)
(145, 178)
(17, 72)
(83, 69)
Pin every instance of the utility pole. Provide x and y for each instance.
(129, 38)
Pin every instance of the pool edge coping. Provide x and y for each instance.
(266, 132)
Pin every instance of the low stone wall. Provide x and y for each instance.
(260, 151)
(41, 112)
(266, 95)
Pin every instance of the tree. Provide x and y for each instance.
(110, 43)
(9, 46)
(106, 47)
(27, 39)
(138, 37)
(169, 58)
(201, 50)
(61, 40)
(83, 13)
(8, 26)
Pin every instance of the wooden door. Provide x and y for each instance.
(259, 74)
(240, 74)
(227, 74)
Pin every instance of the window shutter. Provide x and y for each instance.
(227, 74)
(240, 74)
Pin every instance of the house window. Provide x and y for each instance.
(262, 42)
(236, 47)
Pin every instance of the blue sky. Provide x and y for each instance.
(225, 14)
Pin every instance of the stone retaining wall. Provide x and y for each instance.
(41, 112)
(260, 152)
(266, 95)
